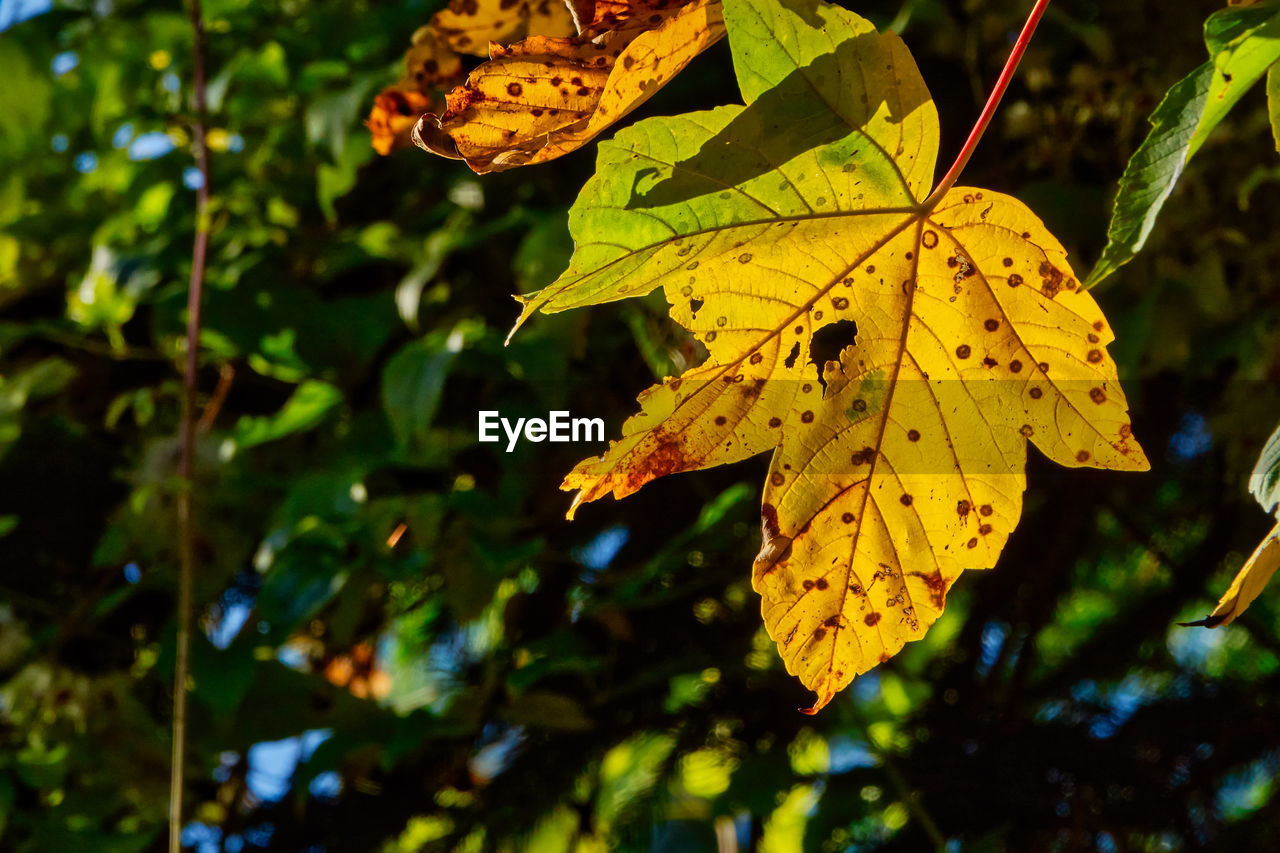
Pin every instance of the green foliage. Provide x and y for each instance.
(1243, 44)
(500, 679)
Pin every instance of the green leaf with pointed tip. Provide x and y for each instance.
(1243, 43)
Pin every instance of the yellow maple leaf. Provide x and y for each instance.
(469, 26)
(895, 356)
(543, 97)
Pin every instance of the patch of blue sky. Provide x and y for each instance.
(1192, 439)
(272, 764)
(16, 11)
(600, 551)
(64, 62)
(150, 146)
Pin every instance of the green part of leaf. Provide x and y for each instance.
(1273, 101)
(1243, 43)
(804, 147)
(1264, 483)
(413, 381)
(308, 406)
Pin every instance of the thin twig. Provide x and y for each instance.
(186, 531)
(989, 111)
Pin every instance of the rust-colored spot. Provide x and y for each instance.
(1015, 280)
(806, 388)
(628, 61)
(515, 90)
(833, 621)
(721, 420)
(913, 435)
(1097, 395)
(666, 459)
(777, 478)
(871, 268)
(840, 303)
(1027, 431)
(905, 500)
(1083, 456)
(808, 585)
(1051, 279)
(872, 619)
(799, 330)
(1008, 262)
(847, 518)
(937, 587)
(1099, 326)
(756, 358)
(1036, 393)
(818, 634)
(990, 362)
(1125, 430)
(929, 239)
(820, 583)
(556, 81)
(859, 405)
(1015, 366)
(807, 417)
(1095, 356)
(986, 509)
(1044, 367)
(963, 351)
(1093, 339)
(984, 529)
(910, 255)
(774, 423)
(962, 508)
(744, 258)
(991, 325)
(973, 543)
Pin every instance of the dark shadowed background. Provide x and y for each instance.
(501, 679)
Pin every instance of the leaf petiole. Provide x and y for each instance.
(988, 112)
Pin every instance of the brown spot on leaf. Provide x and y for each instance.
(991, 325)
(1097, 395)
(821, 584)
(774, 423)
(872, 619)
(721, 420)
(847, 518)
(905, 500)
(515, 90)
(1083, 456)
(1015, 366)
(913, 435)
(1036, 393)
(1015, 280)
(1095, 356)
(777, 478)
(963, 351)
(1027, 431)
(1051, 279)
(756, 358)
(807, 418)
(984, 529)
(818, 634)
(929, 239)
(962, 508)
